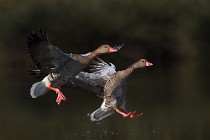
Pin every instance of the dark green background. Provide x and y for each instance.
(173, 95)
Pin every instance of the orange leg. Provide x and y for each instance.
(132, 115)
(122, 113)
(60, 96)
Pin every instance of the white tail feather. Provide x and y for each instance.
(39, 88)
(101, 113)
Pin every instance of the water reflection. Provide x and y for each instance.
(174, 103)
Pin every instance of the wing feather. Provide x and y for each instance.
(102, 69)
(95, 80)
(42, 52)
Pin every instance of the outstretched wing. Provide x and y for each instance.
(102, 69)
(42, 52)
(95, 80)
(82, 82)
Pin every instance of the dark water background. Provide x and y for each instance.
(174, 94)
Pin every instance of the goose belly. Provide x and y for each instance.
(65, 74)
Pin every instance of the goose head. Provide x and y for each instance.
(142, 63)
(107, 49)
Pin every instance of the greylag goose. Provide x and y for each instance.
(115, 88)
(62, 67)
(109, 85)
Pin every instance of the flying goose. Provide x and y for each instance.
(62, 67)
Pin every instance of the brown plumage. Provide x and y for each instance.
(114, 98)
(62, 67)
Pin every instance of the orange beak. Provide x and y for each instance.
(112, 49)
(148, 64)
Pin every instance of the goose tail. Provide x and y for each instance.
(39, 88)
(101, 113)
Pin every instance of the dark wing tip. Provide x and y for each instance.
(44, 34)
(36, 38)
(35, 44)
